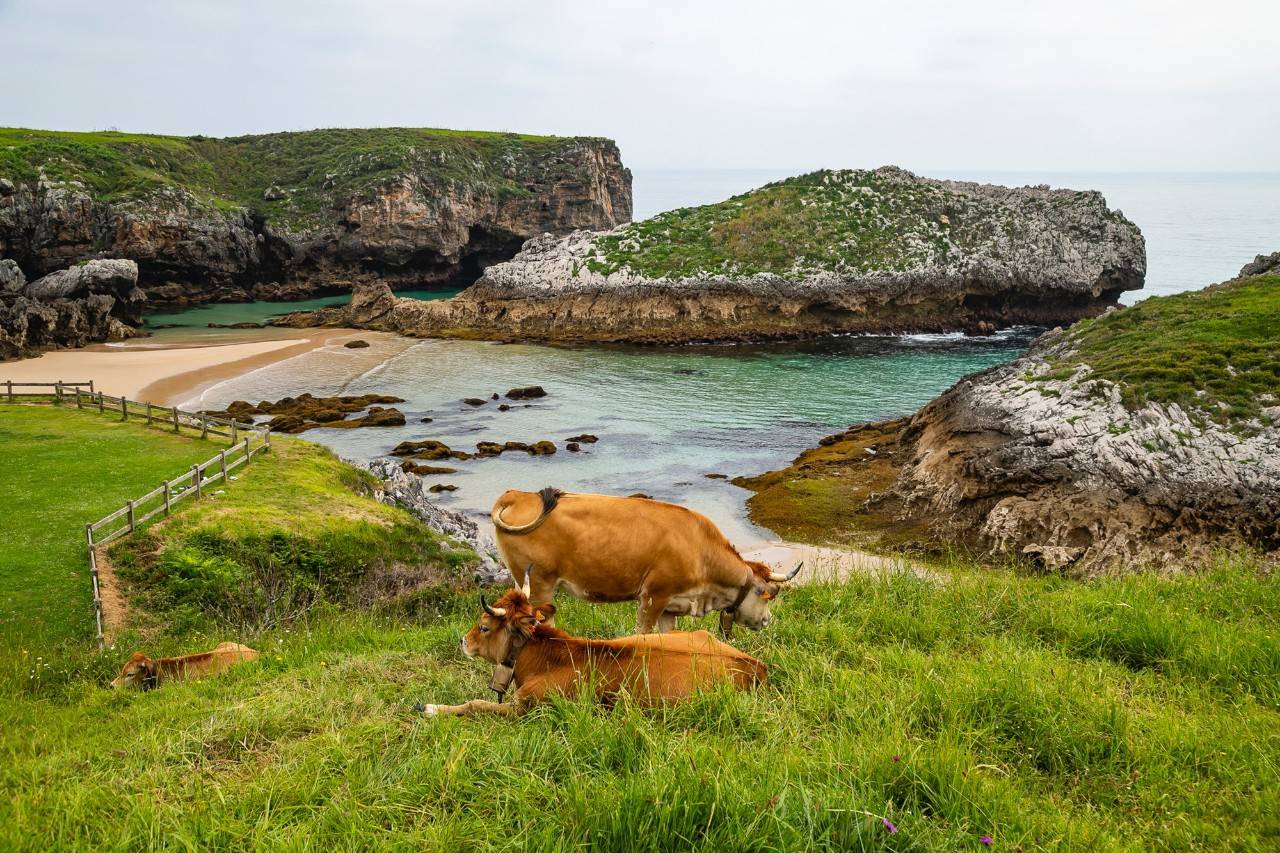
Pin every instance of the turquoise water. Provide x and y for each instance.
(665, 417)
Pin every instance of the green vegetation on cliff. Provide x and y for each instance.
(291, 179)
(1216, 349)
(852, 221)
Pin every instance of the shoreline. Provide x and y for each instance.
(159, 374)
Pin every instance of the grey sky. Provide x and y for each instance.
(1017, 85)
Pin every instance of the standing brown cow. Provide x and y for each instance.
(675, 561)
(653, 668)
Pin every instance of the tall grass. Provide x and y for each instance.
(1134, 713)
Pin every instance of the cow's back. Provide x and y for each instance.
(604, 547)
(673, 665)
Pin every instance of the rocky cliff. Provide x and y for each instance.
(842, 251)
(1149, 437)
(288, 215)
(94, 301)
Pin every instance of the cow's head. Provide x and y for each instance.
(510, 619)
(752, 606)
(139, 671)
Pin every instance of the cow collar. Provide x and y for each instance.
(742, 596)
(505, 671)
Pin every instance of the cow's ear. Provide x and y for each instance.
(543, 612)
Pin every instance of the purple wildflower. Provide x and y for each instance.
(985, 840)
(888, 824)
(897, 758)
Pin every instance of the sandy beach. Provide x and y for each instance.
(163, 374)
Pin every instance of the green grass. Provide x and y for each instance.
(1216, 350)
(298, 529)
(61, 470)
(315, 170)
(850, 221)
(1138, 713)
(1130, 713)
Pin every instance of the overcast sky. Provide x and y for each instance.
(1016, 85)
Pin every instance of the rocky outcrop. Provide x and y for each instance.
(414, 208)
(1048, 459)
(881, 251)
(91, 302)
(411, 493)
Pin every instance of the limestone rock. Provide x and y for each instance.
(409, 492)
(960, 256)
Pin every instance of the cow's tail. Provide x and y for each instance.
(550, 497)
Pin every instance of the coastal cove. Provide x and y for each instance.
(665, 417)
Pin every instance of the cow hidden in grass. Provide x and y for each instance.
(517, 637)
(602, 548)
(144, 673)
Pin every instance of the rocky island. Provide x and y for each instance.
(1148, 437)
(832, 251)
(290, 215)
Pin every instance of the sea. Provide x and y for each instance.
(666, 418)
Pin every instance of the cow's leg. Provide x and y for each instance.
(666, 622)
(651, 611)
(542, 589)
(468, 708)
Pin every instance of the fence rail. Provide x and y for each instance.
(245, 442)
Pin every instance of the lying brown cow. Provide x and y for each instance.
(654, 668)
(675, 561)
(145, 673)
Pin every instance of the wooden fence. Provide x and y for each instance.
(246, 442)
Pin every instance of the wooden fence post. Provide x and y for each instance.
(222, 460)
(195, 478)
(204, 426)
(57, 390)
(79, 402)
(266, 437)
(233, 432)
(93, 576)
(102, 406)
(175, 419)
(130, 505)
(10, 385)
(148, 414)
(247, 454)
(90, 387)
(124, 408)
(166, 497)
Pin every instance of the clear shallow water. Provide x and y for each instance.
(665, 418)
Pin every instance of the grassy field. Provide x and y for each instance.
(60, 471)
(1216, 350)
(902, 713)
(1132, 714)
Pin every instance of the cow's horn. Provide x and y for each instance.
(528, 570)
(781, 578)
(496, 612)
